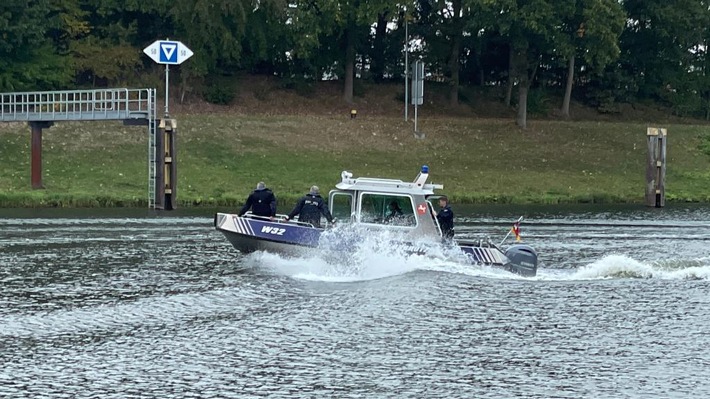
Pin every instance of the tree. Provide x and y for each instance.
(345, 25)
(215, 27)
(532, 28)
(591, 32)
(660, 47)
(104, 40)
(28, 58)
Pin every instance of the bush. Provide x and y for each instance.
(220, 93)
(302, 86)
(538, 102)
(705, 144)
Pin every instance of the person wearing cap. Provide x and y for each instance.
(445, 217)
(261, 201)
(310, 207)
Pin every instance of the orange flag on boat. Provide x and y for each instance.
(516, 230)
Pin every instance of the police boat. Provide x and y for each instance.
(366, 203)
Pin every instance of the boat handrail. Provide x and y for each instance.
(280, 217)
(430, 208)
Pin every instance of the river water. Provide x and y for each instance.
(134, 304)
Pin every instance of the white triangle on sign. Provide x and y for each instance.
(168, 49)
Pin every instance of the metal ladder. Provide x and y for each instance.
(152, 150)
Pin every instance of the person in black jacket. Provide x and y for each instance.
(310, 207)
(395, 213)
(445, 217)
(261, 201)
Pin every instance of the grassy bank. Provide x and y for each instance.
(221, 157)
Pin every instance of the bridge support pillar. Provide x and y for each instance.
(166, 165)
(36, 153)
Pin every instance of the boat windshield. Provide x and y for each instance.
(390, 209)
(341, 206)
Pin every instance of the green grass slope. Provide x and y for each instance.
(221, 157)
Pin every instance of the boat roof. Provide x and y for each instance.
(392, 186)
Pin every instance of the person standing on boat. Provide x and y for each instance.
(261, 201)
(445, 217)
(310, 207)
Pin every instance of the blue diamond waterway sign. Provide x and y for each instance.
(168, 52)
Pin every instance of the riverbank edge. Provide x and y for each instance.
(58, 200)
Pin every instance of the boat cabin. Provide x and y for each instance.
(386, 203)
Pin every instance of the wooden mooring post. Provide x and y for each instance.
(166, 165)
(656, 167)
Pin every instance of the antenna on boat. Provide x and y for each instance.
(422, 176)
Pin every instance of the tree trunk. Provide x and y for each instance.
(522, 118)
(349, 66)
(511, 78)
(520, 66)
(568, 88)
(377, 66)
(533, 75)
(454, 66)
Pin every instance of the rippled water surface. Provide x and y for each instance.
(132, 304)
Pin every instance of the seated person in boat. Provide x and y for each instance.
(445, 217)
(310, 208)
(395, 213)
(261, 201)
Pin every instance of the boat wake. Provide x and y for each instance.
(349, 254)
(367, 263)
(624, 267)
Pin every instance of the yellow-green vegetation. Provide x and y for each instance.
(222, 157)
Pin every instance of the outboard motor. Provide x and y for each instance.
(523, 260)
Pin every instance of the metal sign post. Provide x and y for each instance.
(417, 89)
(168, 53)
(162, 165)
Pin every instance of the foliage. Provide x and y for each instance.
(28, 59)
(705, 144)
(538, 102)
(220, 91)
(663, 44)
(303, 87)
(625, 51)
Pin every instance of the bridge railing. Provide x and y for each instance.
(101, 104)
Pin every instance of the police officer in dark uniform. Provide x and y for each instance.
(310, 207)
(445, 217)
(261, 201)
